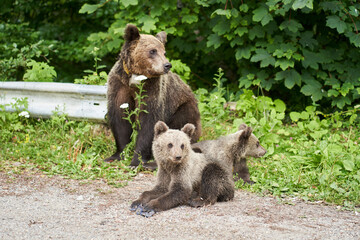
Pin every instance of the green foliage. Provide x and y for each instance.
(315, 158)
(11, 122)
(302, 51)
(23, 63)
(285, 47)
(39, 72)
(74, 149)
(181, 69)
(133, 118)
(58, 24)
(211, 106)
(94, 77)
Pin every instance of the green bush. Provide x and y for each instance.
(304, 52)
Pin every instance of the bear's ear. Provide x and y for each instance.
(189, 129)
(242, 126)
(162, 36)
(245, 135)
(131, 33)
(160, 127)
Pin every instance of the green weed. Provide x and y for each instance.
(58, 146)
(94, 77)
(133, 118)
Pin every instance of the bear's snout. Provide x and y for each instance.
(178, 158)
(167, 67)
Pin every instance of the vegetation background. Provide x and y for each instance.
(291, 67)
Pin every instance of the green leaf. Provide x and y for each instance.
(149, 23)
(127, 3)
(290, 76)
(243, 53)
(241, 31)
(318, 134)
(333, 92)
(189, 19)
(353, 11)
(299, 4)
(262, 15)
(114, 44)
(263, 57)
(345, 88)
(214, 40)
(340, 102)
(88, 8)
(354, 38)
(222, 12)
(256, 31)
(313, 125)
(292, 25)
(336, 22)
(221, 27)
(294, 116)
(349, 165)
(307, 40)
(244, 7)
(202, 3)
(279, 106)
(333, 82)
(311, 59)
(313, 89)
(284, 64)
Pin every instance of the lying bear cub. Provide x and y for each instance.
(183, 177)
(233, 149)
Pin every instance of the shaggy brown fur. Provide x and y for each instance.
(184, 177)
(168, 98)
(233, 149)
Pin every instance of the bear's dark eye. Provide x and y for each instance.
(182, 146)
(257, 144)
(170, 145)
(153, 51)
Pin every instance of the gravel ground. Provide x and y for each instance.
(34, 206)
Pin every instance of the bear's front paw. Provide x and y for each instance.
(197, 202)
(145, 211)
(135, 205)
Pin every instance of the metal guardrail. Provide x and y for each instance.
(75, 100)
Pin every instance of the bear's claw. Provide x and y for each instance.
(144, 211)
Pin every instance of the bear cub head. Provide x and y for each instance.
(248, 144)
(144, 54)
(170, 145)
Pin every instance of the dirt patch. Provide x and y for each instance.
(38, 207)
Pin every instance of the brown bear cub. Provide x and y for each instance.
(183, 177)
(168, 98)
(233, 149)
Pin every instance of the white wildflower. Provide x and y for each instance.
(124, 105)
(24, 114)
(136, 79)
(140, 77)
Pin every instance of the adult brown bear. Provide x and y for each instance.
(167, 99)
